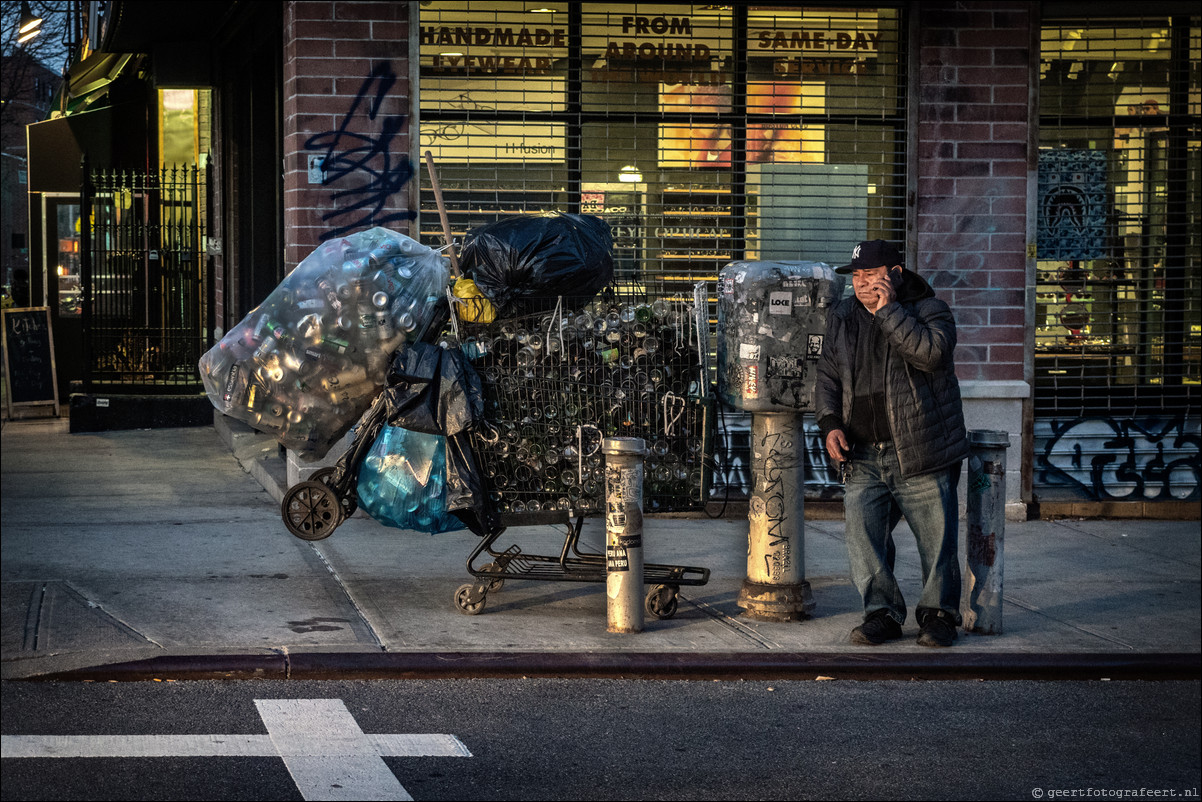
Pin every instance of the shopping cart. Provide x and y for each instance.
(555, 384)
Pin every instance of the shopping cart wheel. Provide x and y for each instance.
(463, 600)
(349, 503)
(493, 584)
(661, 601)
(311, 510)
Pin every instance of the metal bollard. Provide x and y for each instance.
(624, 532)
(775, 588)
(986, 517)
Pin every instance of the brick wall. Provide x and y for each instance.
(973, 174)
(346, 101)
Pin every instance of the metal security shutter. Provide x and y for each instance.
(494, 100)
(703, 133)
(1117, 295)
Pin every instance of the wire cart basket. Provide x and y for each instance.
(556, 384)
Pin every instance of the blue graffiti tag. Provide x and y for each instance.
(348, 152)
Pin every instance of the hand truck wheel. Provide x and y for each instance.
(350, 503)
(662, 601)
(464, 602)
(311, 510)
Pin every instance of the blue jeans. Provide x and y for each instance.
(875, 500)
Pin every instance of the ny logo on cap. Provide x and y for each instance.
(855, 252)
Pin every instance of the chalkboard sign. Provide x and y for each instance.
(29, 358)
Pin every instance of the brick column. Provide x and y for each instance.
(346, 103)
(975, 176)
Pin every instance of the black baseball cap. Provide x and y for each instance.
(870, 254)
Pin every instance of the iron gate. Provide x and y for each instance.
(146, 286)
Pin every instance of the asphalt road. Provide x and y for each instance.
(601, 739)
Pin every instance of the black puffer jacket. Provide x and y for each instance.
(922, 395)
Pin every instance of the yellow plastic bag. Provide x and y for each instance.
(473, 307)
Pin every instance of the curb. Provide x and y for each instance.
(257, 453)
(648, 665)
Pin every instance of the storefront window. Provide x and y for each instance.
(1117, 294)
(494, 86)
(825, 134)
(697, 148)
(702, 133)
(1119, 261)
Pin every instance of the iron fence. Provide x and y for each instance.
(146, 286)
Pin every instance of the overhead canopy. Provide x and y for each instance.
(88, 83)
(109, 135)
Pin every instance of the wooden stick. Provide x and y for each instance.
(442, 214)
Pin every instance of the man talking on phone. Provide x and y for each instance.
(888, 406)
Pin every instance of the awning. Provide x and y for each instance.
(110, 135)
(88, 82)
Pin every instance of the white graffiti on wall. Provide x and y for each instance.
(732, 460)
(1101, 458)
(1121, 459)
(732, 457)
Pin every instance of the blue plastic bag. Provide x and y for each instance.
(402, 482)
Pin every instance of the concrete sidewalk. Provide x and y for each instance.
(161, 553)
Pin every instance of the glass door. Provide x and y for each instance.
(62, 288)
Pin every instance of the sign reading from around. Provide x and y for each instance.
(29, 372)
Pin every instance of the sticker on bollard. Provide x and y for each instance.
(775, 588)
(624, 532)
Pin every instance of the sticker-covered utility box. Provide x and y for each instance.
(771, 321)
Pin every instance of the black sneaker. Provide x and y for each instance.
(937, 630)
(877, 628)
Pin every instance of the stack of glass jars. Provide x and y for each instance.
(555, 384)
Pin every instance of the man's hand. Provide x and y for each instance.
(885, 293)
(837, 445)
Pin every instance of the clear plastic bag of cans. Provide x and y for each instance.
(306, 363)
(402, 482)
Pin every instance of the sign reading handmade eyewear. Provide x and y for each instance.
(487, 43)
(492, 49)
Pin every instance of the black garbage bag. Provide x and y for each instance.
(524, 264)
(435, 391)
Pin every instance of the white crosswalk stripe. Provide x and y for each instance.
(326, 752)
